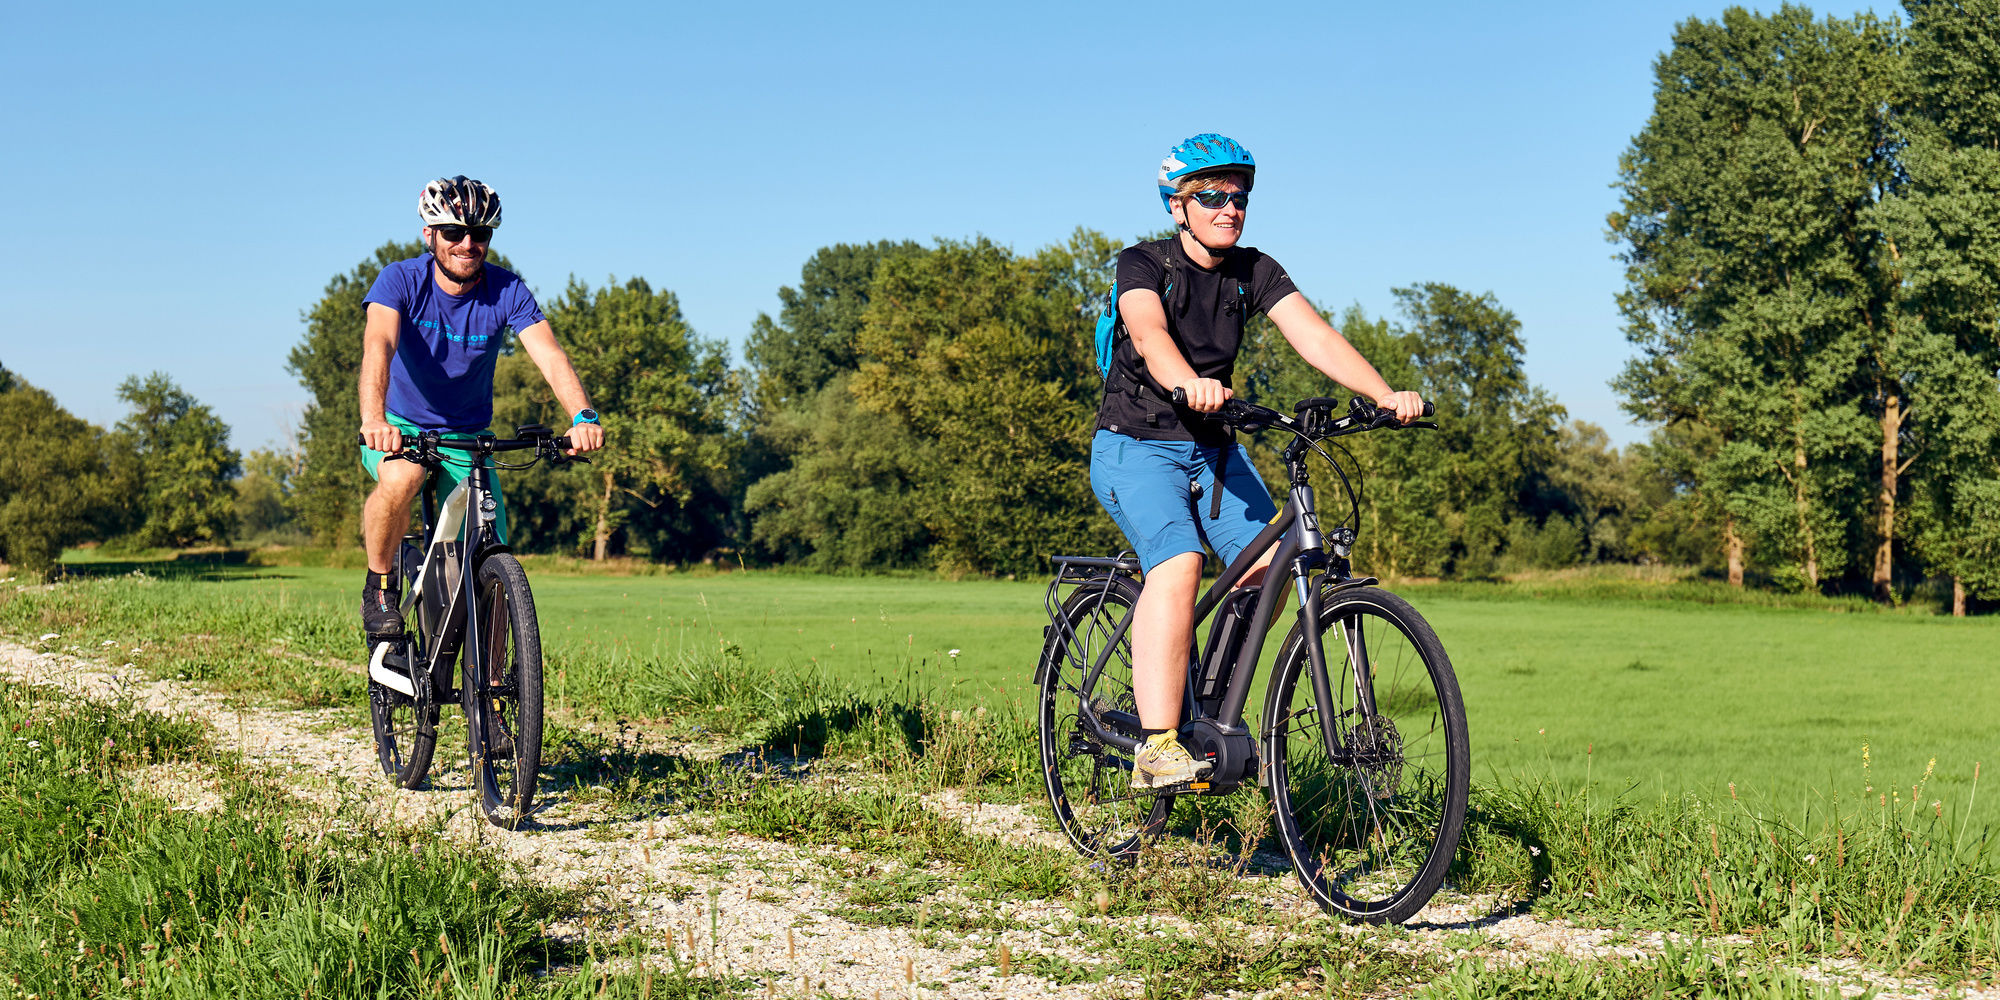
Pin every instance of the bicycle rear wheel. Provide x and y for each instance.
(503, 715)
(405, 728)
(1089, 782)
(1372, 818)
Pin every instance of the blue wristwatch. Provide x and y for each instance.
(584, 416)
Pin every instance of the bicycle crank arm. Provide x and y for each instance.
(391, 670)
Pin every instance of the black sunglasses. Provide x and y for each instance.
(1217, 199)
(452, 234)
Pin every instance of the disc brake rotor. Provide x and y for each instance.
(1377, 752)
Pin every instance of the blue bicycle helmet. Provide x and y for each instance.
(1201, 154)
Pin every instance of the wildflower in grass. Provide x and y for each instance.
(46, 636)
(34, 744)
(953, 654)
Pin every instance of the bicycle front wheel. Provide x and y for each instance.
(1369, 804)
(503, 716)
(1089, 782)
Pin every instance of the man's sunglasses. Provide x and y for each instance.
(452, 234)
(1217, 199)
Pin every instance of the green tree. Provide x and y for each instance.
(1947, 228)
(666, 396)
(55, 486)
(987, 355)
(819, 321)
(1754, 288)
(1590, 484)
(850, 498)
(262, 513)
(179, 457)
(331, 485)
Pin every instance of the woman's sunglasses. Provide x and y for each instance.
(452, 234)
(1217, 199)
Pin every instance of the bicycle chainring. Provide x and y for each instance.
(1376, 750)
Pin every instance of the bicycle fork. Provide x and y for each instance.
(1309, 570)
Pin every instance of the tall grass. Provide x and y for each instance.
(104, 892)
(1895, 878)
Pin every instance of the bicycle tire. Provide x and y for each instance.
(511, 641)
(405, 732)
(1371, 831)
(1089, 782)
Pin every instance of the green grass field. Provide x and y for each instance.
(1654, 697)
(1648, 697)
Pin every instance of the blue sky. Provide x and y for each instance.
(182, 180)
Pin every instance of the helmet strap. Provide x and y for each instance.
(1216, 252)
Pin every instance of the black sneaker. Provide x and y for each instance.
(380, 617)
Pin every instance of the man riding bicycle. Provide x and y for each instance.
(1181, 306)
(435, 326)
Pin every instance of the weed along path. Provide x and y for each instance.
(779, 876)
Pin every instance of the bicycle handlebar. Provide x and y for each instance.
(1310, 418)
(421, 448)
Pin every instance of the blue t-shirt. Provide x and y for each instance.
(442, 375)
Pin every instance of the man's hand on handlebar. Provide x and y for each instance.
(1204, 395)
(381, 435)
(585, 437)
(1406, 405)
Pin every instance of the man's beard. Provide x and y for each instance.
(445, 261)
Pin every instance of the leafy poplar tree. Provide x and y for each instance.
(1754, 291)
(1948, 230)
(179, 457)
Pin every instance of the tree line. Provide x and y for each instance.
(1810, 223)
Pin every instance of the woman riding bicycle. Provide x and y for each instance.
(1181, 306)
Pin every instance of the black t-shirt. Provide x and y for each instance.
(1206, 311)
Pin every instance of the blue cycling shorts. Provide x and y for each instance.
(1143, 485)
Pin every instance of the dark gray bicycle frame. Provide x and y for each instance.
(1301, 552)
(476, 543)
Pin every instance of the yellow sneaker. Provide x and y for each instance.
(1162, 761)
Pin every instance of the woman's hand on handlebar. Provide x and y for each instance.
(585, 437)
(1406, 405)
(1204, 395)
(381, 435)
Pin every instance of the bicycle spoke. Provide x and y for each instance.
(1370, 821)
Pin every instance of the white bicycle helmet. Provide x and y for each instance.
(458, 201)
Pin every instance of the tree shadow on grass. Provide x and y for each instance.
(221, 566)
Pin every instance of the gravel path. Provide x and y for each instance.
(748, 907)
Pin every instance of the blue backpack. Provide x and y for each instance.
(1109, 328)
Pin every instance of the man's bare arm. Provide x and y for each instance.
(540, 343)
(378, 344)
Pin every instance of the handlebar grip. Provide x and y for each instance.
(1180, 397)
(1429, 410)
(401, 442)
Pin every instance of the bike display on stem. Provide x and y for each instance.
(459, 582)
(1362, 739)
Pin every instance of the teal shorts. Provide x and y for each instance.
(456, 465)
(1144, 486)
